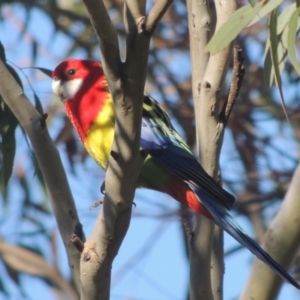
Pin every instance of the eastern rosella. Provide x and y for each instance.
(170, 166)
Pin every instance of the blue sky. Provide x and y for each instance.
(151, 263)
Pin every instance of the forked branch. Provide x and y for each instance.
(126, 83)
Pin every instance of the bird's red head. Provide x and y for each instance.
(74, 76)
(82, 87)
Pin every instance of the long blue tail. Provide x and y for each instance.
(169, 150)
(223, 219)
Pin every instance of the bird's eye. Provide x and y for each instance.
(71, 72)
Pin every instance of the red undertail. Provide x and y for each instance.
(180, 191)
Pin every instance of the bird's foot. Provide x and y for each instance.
(96, 204)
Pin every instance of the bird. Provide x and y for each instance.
(169, 167)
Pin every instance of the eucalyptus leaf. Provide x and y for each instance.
(252, 2)
(284, 17)
(268, 70)
(8, 150)
(292, 33)
(44, 70)
(2, 53)
(230, 30)
(274, 56)
(266, 9)
(38, 104)
(268, 66)
(34, 50)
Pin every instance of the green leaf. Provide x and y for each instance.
(26, 22)
(44, 70)
(2, 53)
(8, 121)
(252, 2)
(34, 50)
(266, 9)
(234, 25)
(267, 48)
(38, 104)
(274, 56)
(3, 282)
(292, 33)
(268, 66)
(8, 124)
(8, 150)
(284, 37)
(268, 70)
(284, 17)
(282, 54)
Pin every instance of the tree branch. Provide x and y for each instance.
(107, 36)
(207, 86)
(199, 245)
(50, 164)
(156, 13)
(238, 73)
(199, 30)
(212, 132)
(126, 83)
(281, 241)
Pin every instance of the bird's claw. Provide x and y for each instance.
(96, 204)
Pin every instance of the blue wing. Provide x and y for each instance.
(168, 149)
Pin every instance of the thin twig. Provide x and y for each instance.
(77, 242)
(236, 83)
(155, 14)
(107, 36)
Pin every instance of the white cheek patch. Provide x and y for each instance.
(70, 88)
(55, 86)
(66, 89)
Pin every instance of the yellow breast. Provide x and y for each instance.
(100, 137)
